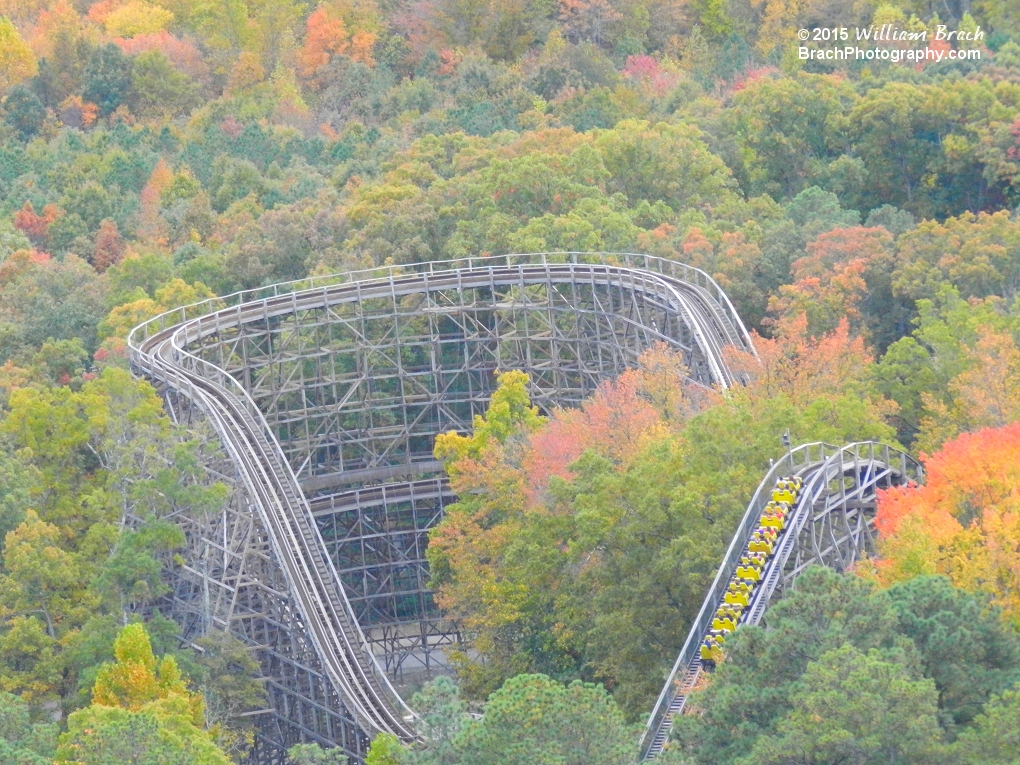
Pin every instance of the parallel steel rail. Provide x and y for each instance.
(162, 350)
(840, 483)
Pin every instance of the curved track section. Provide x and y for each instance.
(326, 396)
(830, 524)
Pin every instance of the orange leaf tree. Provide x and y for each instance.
(846, 272)
(582, 545)
(964, 522)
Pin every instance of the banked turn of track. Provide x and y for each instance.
(831, 524)
(159, 349)
(832, 527)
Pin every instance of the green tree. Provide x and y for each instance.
(994, 738)
(313, 754)
(442, 715)
(61, 362)
(533, 718)
(237, 179)
(16, 481)
(386, 749)
(965, 647)
(856, 707)
(58, 300)
(24, 112)
(107, 78)
(111, 736)
(592, 226)
(790, 129)
(663, 163)
(979, 255)
(836, 656)
(816, 211)
(103, 468)
(40, 577)
(953, 373)
(23, 742)
(904, 373)
(288, 242)
(231, 687)
(70, 234)
(92, 202)
(274, 22)
(753, 689)
(158, 90)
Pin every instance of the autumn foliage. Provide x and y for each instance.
(326, 36)
(581, 540)
(964, 522)
(836, 276)
(137, 678)
(181, 52)
(803, 365)
(508, 473)
(35, 226)
(54, 25)
(622, 416)
(110, 246)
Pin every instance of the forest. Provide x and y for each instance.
(863, 216)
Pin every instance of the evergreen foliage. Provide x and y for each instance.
(860, 215)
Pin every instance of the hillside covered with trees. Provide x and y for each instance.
(863, 216)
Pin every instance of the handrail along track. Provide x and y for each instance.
(838, 483)
(830, 524)
(161, 349)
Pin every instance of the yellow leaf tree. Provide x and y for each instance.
(140, 705)
(986, 394)
(137, 18)
(17, 61)
(964, 523)
(137, 678)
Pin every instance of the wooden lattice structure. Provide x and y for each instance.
(326, 397)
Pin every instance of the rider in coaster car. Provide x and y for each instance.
(705, 652)
(769, 533)
(740, 585)
(735, 596)
(782, 495)
(711, 652)
(748, 570)
(724, 623)
(760, 544)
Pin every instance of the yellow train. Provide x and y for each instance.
(760, 549)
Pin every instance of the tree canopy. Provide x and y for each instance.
(861, 216)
